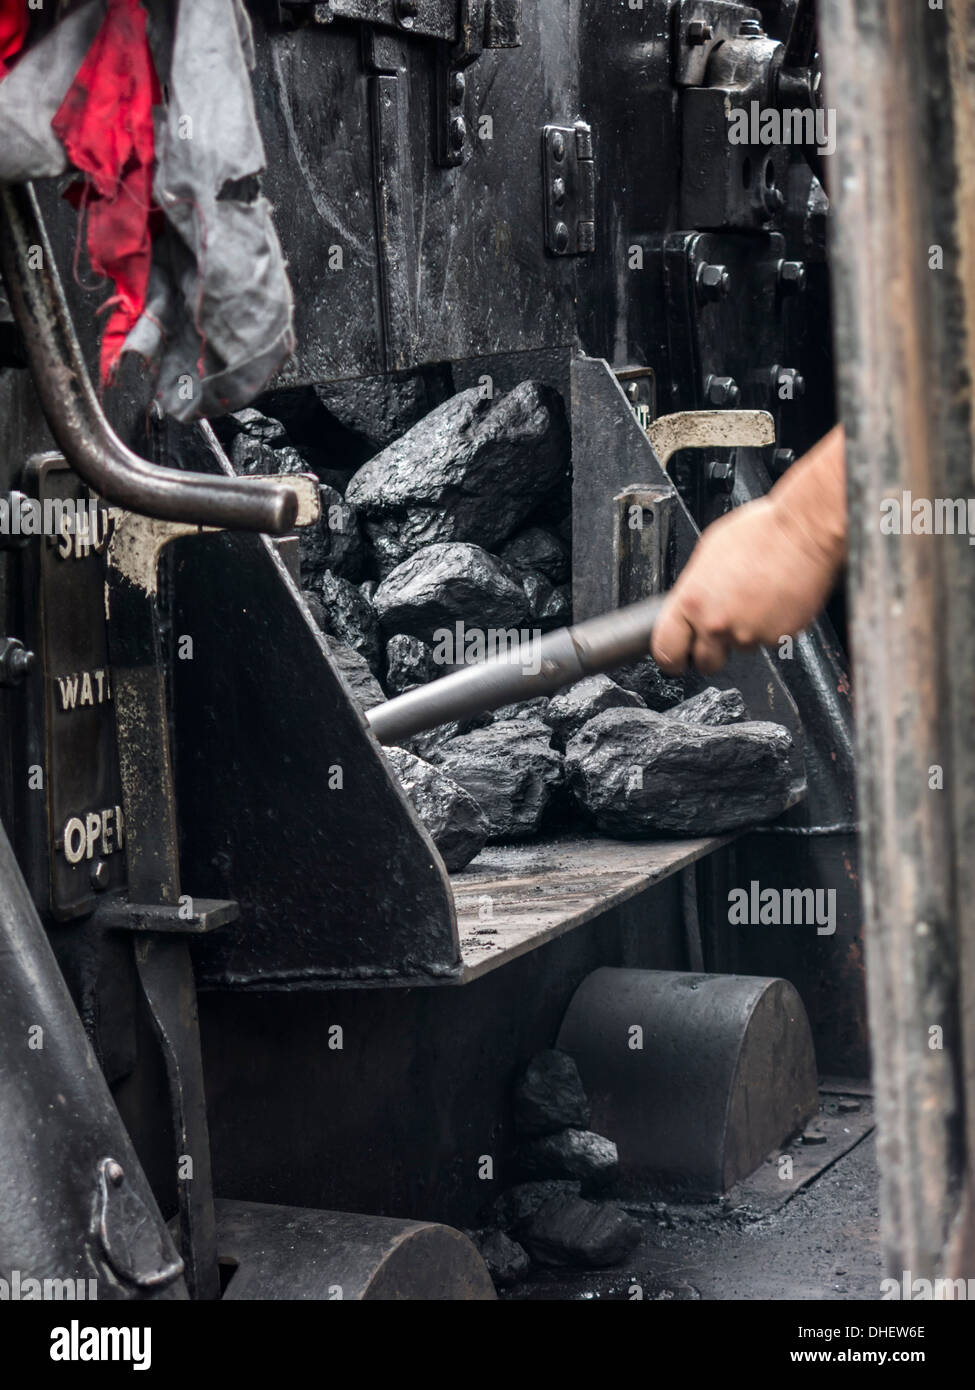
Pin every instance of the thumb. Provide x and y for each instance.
(672, 638)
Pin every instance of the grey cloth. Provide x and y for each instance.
(218, 316)
(219, 313)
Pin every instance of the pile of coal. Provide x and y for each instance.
(558, 1217)
(509, 769)
(636, 773)
(471, 470)
(457, 825)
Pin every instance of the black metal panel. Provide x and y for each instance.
(284, 795)
(466, 256)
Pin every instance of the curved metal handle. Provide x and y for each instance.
(76, 418)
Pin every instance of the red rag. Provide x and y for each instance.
(13, 31)
(105, 125)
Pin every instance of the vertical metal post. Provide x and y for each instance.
(899, 79)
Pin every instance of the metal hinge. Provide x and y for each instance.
(570, 189)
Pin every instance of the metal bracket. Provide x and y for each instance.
(569, 171)
(710, 429)
(206, 914)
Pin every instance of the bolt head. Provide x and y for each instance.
(558, 192)
(722, 391)
(99, 874)
(457, 87)
(558, 146)
(781, 460)
(721, 476)
(792, 276)
(115, 1173)
(458, 134)
(560, 237)
(699, 31)
(713, 281)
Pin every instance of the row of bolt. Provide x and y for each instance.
(714, 281)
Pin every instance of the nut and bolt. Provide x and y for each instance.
(699, 31)
(721, 476)
(713, 282)
(721, 391)
(750, 29)
(792, 277)
(16, 661)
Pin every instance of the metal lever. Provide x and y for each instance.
(537, 667)
(76, 418)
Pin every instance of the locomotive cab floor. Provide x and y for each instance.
(513, 898)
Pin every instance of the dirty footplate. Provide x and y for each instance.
(72, 690)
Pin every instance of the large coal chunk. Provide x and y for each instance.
(456, 823)
(517, 1205)
(349, 616)
(640, 773)
(446, 584)
(572, 1153)
(524, 709)
(333, 542)
(409, 662)
(252, 455)
(656, 690)
(509, 769)
(507, 1261)
(570, 709)
(380, 409)
(587, 1235)
(471, 470)
(549, 1095)
(711, 706)
(539, 550)
(256, 425)
(425, 745)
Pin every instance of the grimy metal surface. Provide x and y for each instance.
(720, 1072)
(60, 1128)
(901, 77)
(284, 794)
(294, 1253)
